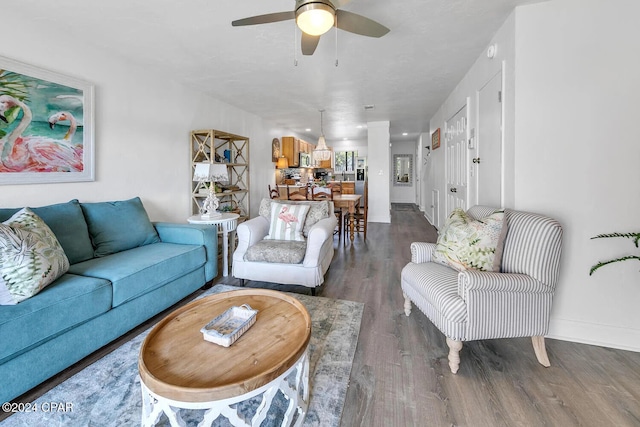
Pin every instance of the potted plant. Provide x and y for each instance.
(633, 236)
(231, 207)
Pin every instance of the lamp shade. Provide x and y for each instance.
(315, 19)
(283, 163)
(211, 172)
(321, 152)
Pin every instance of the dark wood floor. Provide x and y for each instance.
(400, 376)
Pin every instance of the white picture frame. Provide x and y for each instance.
(40, 145)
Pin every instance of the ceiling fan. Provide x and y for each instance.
(316, 17)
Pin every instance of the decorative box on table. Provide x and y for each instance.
(225, 329)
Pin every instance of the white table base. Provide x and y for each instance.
(154, 405)
(225, 223)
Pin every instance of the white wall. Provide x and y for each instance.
(577, 155)
(466, 92)
(142, 125)
(351, 145)
(378, 163)
(403, 194)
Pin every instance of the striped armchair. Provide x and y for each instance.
(474, 305)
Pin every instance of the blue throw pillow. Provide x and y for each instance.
(67, 223)
(118, 226)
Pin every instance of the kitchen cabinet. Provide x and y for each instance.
(291, 150)
(292, 147)
(326, 164)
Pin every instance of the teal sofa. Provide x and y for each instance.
(123, 270)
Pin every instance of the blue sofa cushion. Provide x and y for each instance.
(67, 222)
(139, 270)
(118, 226)
(65, 303)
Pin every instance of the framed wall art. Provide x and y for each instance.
(46, 126)
(275, 149)
(435, 139)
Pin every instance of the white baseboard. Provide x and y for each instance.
(379, 218)
(426, 215)
(595, 334)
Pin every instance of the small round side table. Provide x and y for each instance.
(226, 222)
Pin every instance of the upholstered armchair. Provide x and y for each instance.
(475, 305)
(298, 262)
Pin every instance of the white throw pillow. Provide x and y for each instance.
(30, 257)
(287, 221)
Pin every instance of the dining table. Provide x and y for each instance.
(349, 202)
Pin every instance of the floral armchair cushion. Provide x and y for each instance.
(468, 244)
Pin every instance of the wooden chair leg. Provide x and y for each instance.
(454, 354)
(407, 304)
(541, 351)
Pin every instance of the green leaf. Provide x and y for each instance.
(603, 263)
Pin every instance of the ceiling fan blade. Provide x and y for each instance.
(339, 3)
(309, 43)
(265, 19)
(358, 24)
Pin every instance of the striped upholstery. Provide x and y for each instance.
(513, 303)
(421, 251)
(437, 284)
(532, 246)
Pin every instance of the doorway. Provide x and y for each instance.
(456, 160)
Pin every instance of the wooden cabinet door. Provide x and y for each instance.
(348, 187)
(291, 150)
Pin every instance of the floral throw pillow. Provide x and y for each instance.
(468, 244)
(287, 221)
(30, 257)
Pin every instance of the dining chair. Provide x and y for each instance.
(273, 192)
(321, 193)
(360, 215)
(336, 189)
(296, 193)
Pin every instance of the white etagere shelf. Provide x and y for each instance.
(215, 146)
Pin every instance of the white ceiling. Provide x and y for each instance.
(406, 74)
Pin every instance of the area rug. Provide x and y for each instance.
(107, 393)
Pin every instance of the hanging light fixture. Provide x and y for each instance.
(322, 152)
(315, 18)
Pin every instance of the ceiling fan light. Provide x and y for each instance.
(315, 19)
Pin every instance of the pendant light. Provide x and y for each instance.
(322, 152)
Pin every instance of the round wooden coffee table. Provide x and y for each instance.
(180, 370)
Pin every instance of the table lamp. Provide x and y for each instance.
(211, 173)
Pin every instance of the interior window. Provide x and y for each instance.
(345, 161)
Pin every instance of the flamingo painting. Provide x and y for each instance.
(287, 217)
(20, 153)
(61, 117)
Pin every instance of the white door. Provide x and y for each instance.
(456, 142)
(488, 164)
